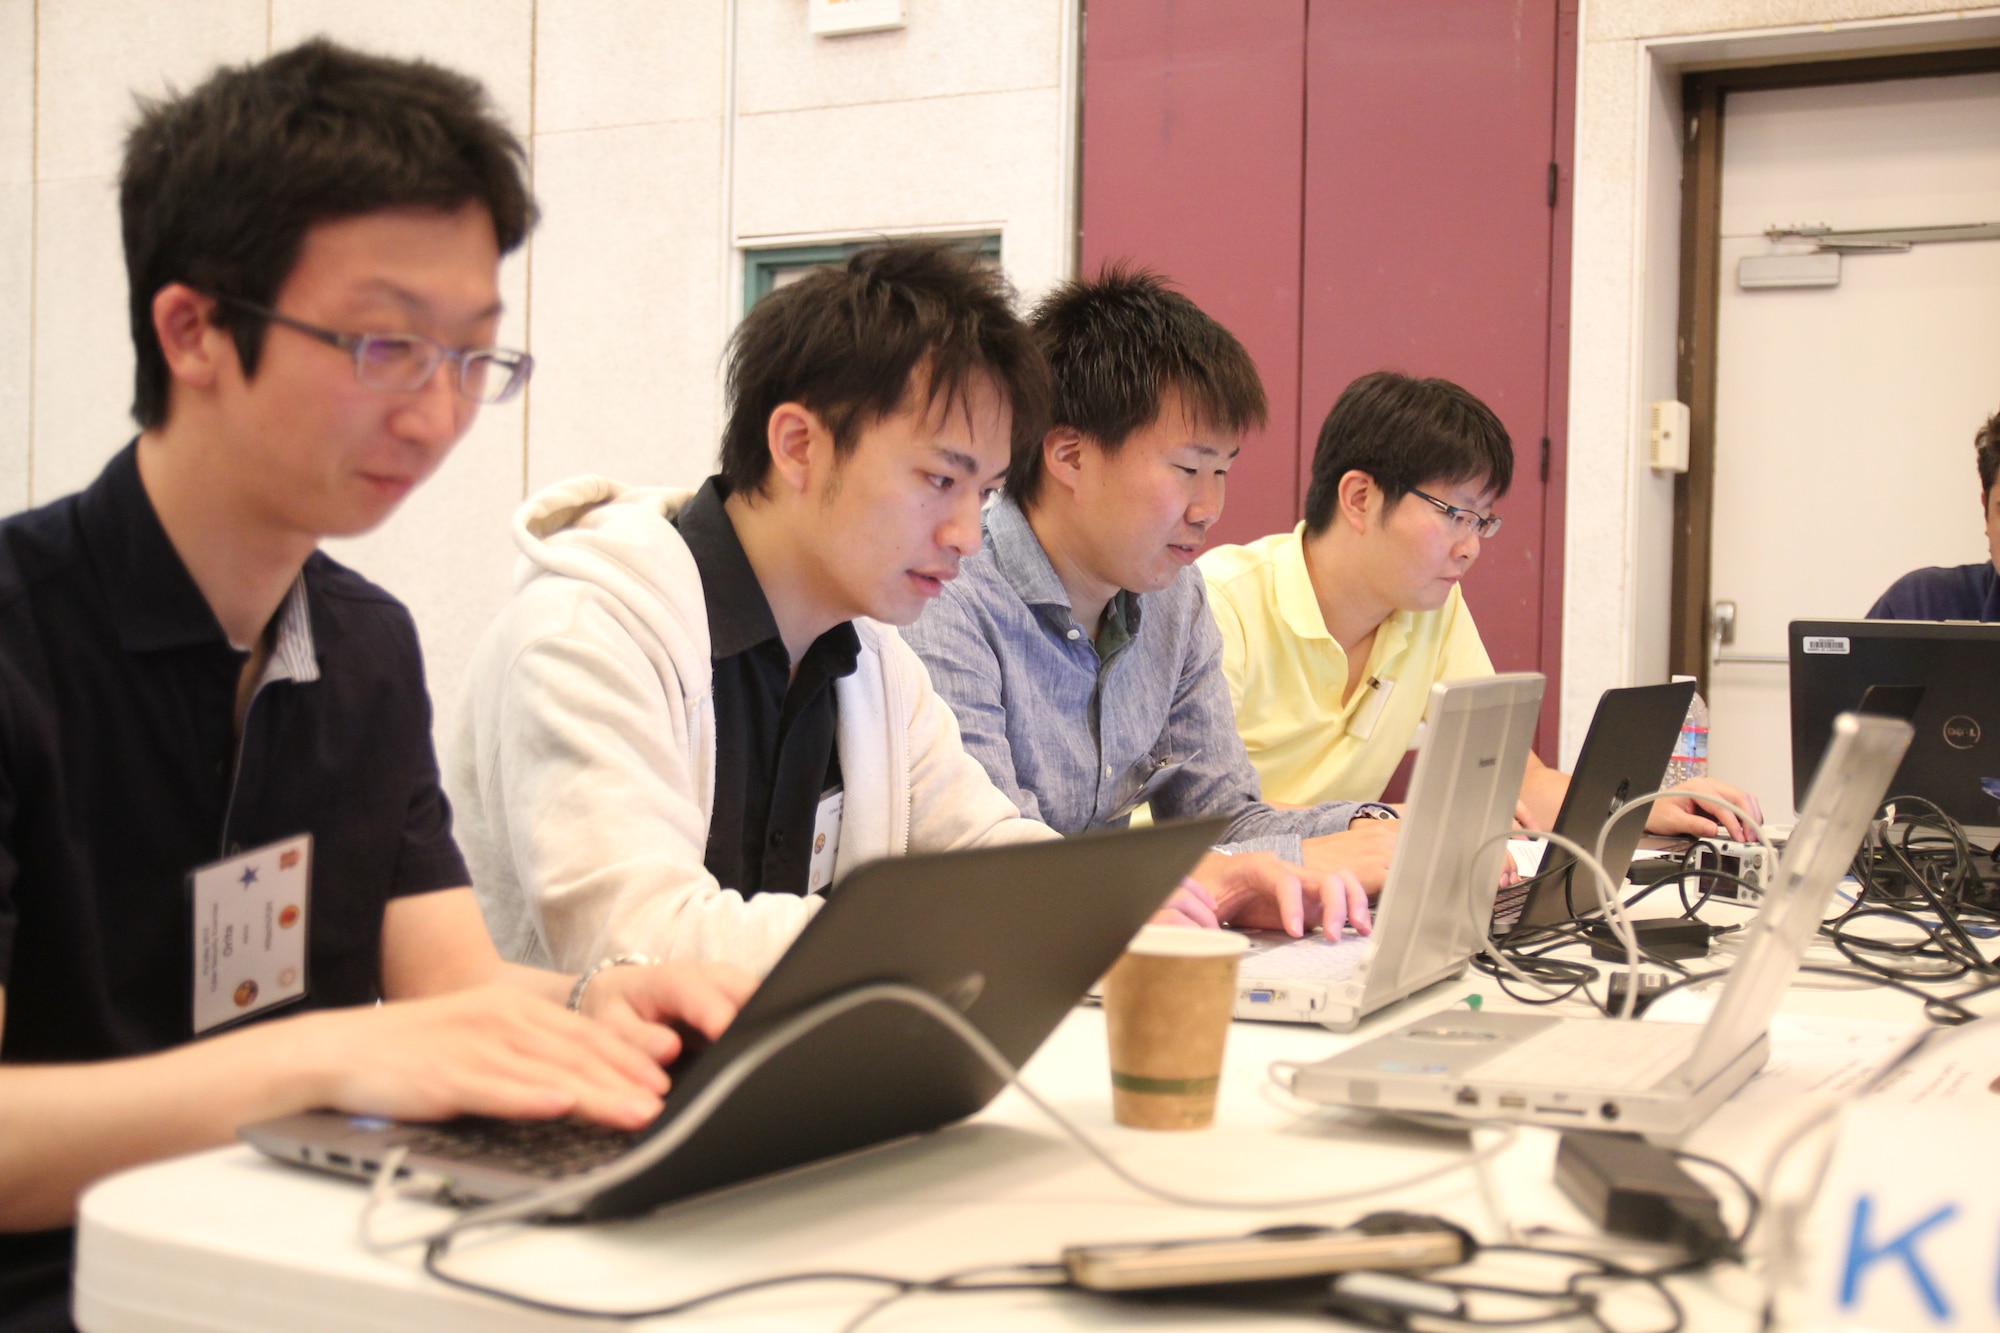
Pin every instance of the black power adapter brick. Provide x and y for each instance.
(1650, 986)
(1662, 939)
(1629, 1187)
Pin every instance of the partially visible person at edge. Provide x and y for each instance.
(1957, 592)
(1333, 633)
(188, 686)
(1076, 647)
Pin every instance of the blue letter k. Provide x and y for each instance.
(1860, 1254)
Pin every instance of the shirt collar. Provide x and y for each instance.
(294, 656)
(154, 601)
(739, 615)
(1297, 602)
(1018, 555)
(1299, 605)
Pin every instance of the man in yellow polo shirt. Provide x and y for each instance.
(1404, 478)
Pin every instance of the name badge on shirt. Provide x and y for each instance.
(1369, 711)
(251, 914)
(826, 841)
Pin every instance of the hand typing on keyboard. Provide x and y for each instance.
(652, 1007)
(1258, 891)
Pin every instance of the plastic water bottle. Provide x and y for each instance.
(1691, 749)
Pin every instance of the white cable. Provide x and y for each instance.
(1626, 935)
(1482, 921)
(565, 1195)
(1609, 899)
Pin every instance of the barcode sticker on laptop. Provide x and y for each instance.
(1826, 644)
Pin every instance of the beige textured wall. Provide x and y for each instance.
(661, 144)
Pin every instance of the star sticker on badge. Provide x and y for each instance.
(249, 876)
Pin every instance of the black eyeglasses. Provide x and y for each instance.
(402, 362)
(1463, 521)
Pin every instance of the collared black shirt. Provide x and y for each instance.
(774, 731)
(120, 773)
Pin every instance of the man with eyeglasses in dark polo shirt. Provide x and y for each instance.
(222, 836)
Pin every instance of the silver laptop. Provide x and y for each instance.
(1660, 1079)
(1462, 793)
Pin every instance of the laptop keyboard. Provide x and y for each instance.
(1308, 959)
(550, 1149)
(1597, 1054)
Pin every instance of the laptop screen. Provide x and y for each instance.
(1942, 673)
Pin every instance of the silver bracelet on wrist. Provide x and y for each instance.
(618, 960)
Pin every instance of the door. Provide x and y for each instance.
(1844, 414)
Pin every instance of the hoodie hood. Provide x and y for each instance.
(622, 540)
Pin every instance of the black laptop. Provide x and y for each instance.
(1625, 754)
(1949, 674)
(1011, 936)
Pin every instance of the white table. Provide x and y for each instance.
(228, 1240)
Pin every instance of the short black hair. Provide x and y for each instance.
(1405, 432)
(221, 184)
(1115, 346)
(1987, 443)
(846, 340)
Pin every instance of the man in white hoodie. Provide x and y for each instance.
(693, 715)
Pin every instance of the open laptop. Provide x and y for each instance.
(1945, 671)
(1655, 1078)
(1624, 754)
(1011, 936)
(1462, 793)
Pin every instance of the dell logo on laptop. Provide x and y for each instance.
(1961, 732)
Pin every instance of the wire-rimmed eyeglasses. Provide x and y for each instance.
(402, 362)
(1463, 521)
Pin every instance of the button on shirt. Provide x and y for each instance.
(121, 772)
(1078, 732)
(775, 751)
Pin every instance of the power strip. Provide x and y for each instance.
(1749, 860)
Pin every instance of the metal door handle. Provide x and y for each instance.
(1722, 633)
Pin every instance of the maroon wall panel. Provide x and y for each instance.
(1430, 130)
(1193, 152)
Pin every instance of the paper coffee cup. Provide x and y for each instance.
(1167, 1004)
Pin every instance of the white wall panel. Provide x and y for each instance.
(604, 63)
(1615, 19)
(17, 278)
(878, 165)
(83, 349)
(628, 304)
(17, 255)
(97, 55)
(948, 49)
(490, 40)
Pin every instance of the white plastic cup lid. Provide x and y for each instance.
(1187, 942)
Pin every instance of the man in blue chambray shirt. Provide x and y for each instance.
(1077, 648)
